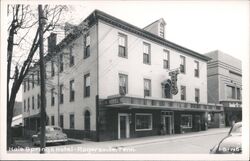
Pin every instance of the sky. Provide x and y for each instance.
(201, 26)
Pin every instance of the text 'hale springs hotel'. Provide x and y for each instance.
(108, 79)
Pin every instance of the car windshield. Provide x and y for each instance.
(50, 129)
(236, 129)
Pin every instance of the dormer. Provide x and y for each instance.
(157, 28)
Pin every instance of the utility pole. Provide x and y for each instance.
(42, 76)
(58, 88)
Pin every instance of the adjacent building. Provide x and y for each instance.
(225, 86)
(109, 80)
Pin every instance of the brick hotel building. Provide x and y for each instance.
(112, 81)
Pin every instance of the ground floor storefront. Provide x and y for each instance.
(120, 123)
(232, 115)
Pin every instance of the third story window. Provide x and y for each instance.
(196, 69)
(123, 84)
(52, 68)
(87, 46)
(71, 57)
(166, 59)
(87, 85)
(183, 65)
(33, 80)
(122, 45)
(146, 53)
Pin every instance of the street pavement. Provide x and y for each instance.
(189, 143)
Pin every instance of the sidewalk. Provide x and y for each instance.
(152, 139)
(134, 141)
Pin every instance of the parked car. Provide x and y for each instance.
(231, 144)
(53, 134)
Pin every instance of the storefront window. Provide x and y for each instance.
(143, 122)
(186, 121)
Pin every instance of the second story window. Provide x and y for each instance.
(183, 65)
(38, 101)
(166, 59)
(122, 45)
(71, 57)
(196, 69)
(61, 63)
(52, 97)
(87, 46)
(61, 93)
(238, 93)
(231, 92)
(183, 93)
(87, 85)
(52, 120)
(72, 91)
(197, 95)
(123, 84)
(52, 68)
(146, 53)
(147, 87)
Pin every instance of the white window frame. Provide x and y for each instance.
(151, 123)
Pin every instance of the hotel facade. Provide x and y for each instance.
(108, 79)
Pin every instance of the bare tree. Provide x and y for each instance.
(23, 27)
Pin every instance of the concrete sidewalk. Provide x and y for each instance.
(134, 141)
(152, 139)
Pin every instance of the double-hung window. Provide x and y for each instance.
(123, 84)
(165, 59)
(24, 106)
(87, 85)
(28, 104)
(147, 87)
(196, 69)
(197, 95)
(28, 82)
(52, 97)
(52, 120)
(71, 57)
(61, 121)
(183, 64)
(24, 86)
(146, 53)
(38, 77)
(61, 93)
(183, 93)
(122, 46)
(72, 91)
(87, 46)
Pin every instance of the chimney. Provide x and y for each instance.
(52, 43)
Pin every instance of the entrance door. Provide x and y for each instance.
(168, 124)
(123, 126)
(197, 123)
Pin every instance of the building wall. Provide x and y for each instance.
(110, 65)
(81, 67)
(223, 70)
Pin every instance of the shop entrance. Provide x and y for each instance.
(168, 124)
(123, 126)
(197, 125)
